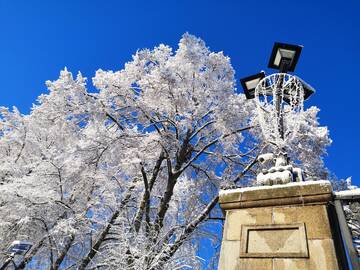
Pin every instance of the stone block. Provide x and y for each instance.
(229, 256)
(315, 218)
(255, 264)
(293, 264)
(235, 218)
(322, 254)
(322, 257)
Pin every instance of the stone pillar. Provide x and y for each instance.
(278, 227)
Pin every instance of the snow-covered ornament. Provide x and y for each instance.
(280, 100)
(280, 173)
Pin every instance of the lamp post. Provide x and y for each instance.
(283, 57)
(282, 88)
(16, 248)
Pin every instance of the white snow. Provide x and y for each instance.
(346, 194)
(305, 183)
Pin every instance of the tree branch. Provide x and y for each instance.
(102, 236)
(207, 146)
(189, 229)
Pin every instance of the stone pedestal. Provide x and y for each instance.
(278, 227)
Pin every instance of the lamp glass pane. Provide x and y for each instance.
(252, 84)
(283, 53)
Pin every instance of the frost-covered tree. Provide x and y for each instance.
(127, 177)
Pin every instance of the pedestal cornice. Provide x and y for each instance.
(308, 192)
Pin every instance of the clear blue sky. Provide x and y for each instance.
(39, 38)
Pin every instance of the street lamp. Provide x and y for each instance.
(20, 247)
(284, 57)
(249, 84)
(279, 97)
(16, 248)
(308, 89)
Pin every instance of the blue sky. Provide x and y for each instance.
(39, 38)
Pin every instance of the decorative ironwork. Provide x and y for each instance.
(280, 100)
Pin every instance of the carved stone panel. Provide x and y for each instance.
(274, 241)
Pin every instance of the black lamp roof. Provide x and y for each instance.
(250, 93)
(277, 45)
